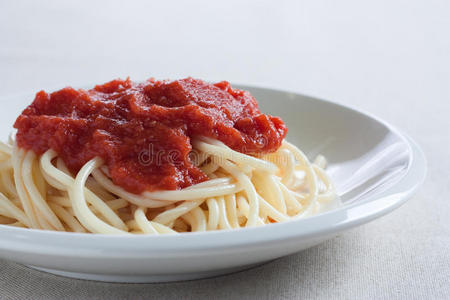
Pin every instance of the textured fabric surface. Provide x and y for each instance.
(390, 58)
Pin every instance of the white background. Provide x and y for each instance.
(391, 58)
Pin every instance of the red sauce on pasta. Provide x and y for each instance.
(143, 131)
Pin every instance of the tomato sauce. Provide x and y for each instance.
(143, 131)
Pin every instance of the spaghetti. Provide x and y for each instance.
(39, 191)
(154, 157)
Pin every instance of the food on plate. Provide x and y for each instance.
(154, 157)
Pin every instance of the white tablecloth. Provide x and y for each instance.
(391, 58)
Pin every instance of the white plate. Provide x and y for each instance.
(375, 169)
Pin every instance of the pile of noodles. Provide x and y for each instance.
(242, 191)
